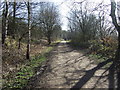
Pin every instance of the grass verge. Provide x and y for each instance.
(21, 78)
(99, 58)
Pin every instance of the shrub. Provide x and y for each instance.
(106, 46)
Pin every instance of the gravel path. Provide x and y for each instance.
(70, 68)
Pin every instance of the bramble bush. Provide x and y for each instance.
(105, 46)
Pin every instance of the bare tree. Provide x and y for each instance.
(116, 61)
(48, 19)
(83, 23)
(29, 30)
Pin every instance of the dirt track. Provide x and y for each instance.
(69, 68)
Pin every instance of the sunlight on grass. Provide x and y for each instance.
(67, 41)
(99, 58)
(26, 72)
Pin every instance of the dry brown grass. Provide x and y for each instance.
(13, 58)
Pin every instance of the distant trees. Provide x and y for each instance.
(48, 19)
(83, 25)
(89, 27)
(57, 31)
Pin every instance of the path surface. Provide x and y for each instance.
(70, 68)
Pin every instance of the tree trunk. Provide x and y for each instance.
(3, 30)
(20, 38)
(19, 43)
(14, 15)
(28, 52)
(49, 35)
(29, 34)
(116, 61)
(117, 58)
(111, 77)
(49, 40)
(5, 23)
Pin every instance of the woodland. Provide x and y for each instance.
(31, 31)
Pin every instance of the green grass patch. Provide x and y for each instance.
(99, 58)
(48, 50)
(55, 42)
(22, 77)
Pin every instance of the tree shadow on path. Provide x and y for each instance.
(89, 74)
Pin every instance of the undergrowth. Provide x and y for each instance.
(99, 58)
(21, 78)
